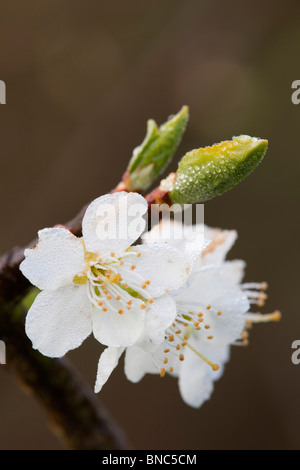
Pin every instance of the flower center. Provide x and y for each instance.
(190, 320)
(112, 283)
(178, 335)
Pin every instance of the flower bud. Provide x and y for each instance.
(211, 171)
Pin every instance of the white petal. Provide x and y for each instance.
(59, 321)
(167, 231)
(164, 266)
(214, 287)
(138, 363)
(221, 243)
(195, 386)
(159, 316)
(228, 327)
(188, 239)
(217, 354)
(107, 363)
(233, 271)
(112, 329)
(210, 282)
(196, 378)
(56, 259)
(113, 222)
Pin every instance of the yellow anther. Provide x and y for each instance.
(117, 278)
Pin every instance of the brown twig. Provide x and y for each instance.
(73, 411)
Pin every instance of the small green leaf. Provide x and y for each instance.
(140, 153)
(157, 149)
(30, 297)
(211, 171)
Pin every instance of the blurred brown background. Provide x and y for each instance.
(82, 78)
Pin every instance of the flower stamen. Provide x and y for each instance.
(263, 318)
(214, 367)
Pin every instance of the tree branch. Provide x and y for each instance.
(74, 413)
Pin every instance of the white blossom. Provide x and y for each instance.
(100, 283)
(212, 314)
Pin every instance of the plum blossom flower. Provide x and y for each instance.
(100, 283)
(212, 314)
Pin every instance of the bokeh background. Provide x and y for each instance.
(82, 79)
